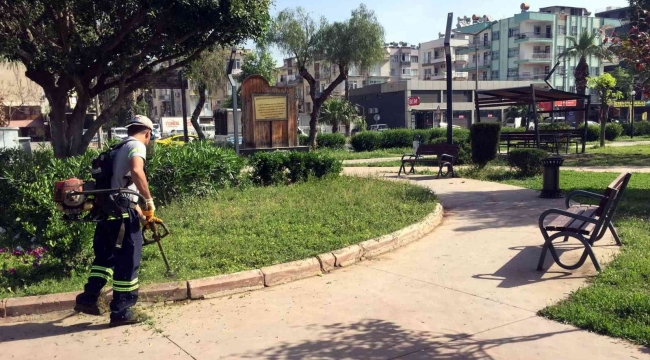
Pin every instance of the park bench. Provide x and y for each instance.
(587, 223)
(445, 157)
(549, 139)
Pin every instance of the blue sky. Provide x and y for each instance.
(416, 21)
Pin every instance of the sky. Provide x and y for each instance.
(417, 21)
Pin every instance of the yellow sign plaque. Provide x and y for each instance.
(270, 107)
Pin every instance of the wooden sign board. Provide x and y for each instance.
(269, 116)
(271, 107)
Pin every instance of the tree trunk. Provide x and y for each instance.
(335, 127)
(197, 112)
(58, 125)
(581, 75)
(347, 89)
(348, 130)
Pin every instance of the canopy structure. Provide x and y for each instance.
(533, 96)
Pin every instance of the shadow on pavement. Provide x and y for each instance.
(37, 330)
(379, 339)
(521, 269)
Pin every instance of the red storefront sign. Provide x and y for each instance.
(414, 101)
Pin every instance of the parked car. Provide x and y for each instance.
(176, 140)
(444, 126)
(513, 122)
(120, 133)
(378, 127)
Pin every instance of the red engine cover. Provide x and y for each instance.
(65, 186)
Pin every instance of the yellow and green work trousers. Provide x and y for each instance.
(118, 249)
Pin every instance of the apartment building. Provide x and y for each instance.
(433, 64)
(525, 47)
(167, 102)
(404, 61)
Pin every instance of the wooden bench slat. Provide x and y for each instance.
(565, 223)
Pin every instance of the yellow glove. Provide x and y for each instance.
(148, 211)
(153, 220)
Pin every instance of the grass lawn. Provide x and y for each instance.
(617, 302)
(353, 155)
(637, 155)
(256, 227)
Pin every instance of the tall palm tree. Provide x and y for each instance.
(336, 111)
(581, 48)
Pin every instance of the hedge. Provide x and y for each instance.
(484, 139)
(279, 167)
(527, 161)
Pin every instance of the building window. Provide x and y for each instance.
(513, 32)
(495, 74)
(513, 52)
(392, 72)
(561, 71)
(290, 72)
(427, 57)
(395, 58)
(437, 54)
(406, 57)
(560, 49)
(513, 72)
(574, 30)
(495, 55)
(584, 29)
(594, 71)
(414, 72)
(473, 77)
(414, 59)
(496, 35)
(561, 29)
(572, 89)
(352, 84)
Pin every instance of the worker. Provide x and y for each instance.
(117, 243)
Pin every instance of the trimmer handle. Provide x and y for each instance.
(155, 235)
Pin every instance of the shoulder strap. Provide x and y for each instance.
(118, 146)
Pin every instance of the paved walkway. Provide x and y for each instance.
(469, 290)
(394, 169)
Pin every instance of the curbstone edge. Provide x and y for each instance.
(348, 256)
(223, 285)
(41, 304)
(3, 313)
(327, 262)
(164, 292)
(375, 247)
(291, 271)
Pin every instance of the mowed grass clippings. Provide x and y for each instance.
(244, 229)
(617, 301)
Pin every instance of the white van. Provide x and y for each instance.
(209, 131)
(513, 123)
(119, 133)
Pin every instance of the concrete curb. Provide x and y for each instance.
(228, 284)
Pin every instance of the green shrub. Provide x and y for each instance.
(331, 141)
(269, 168)
(398, 138)
(366, 141)
(465, 151)
(510, 129)
(641, 128)
(484, 142)
(436, 133)
(29, 216)
(554, 126)
(593, 132)
(303, 140)
(613, 131)
(196, 169)
(527, 161)
(278, 167)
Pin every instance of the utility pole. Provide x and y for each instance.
(233, 83)
(183, 108)
(450, 133)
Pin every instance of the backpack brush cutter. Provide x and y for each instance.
(82, 201)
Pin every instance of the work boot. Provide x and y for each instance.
(84, 305)
(130, 317)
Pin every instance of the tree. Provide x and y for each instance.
(259, 62)
(207, 74)
(605, 85)
(336, 111)
(296, 34)
(633, 48)
(624, 80)
(581, 48)
(89, 47)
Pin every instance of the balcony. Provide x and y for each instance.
(442, 75)
(527, 76)
(435, 60)
(473, 46)
(471, 66)
(288, 80)
(534, 37)
(461, 58)
(535, 57)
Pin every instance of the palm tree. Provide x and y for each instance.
(581, 48)
(338, 112)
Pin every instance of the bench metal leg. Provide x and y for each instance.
(548, 245)
(399, 173)
(615, 234)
